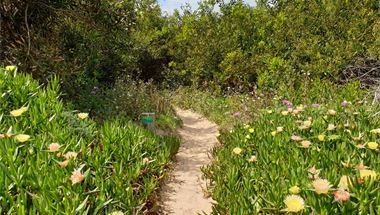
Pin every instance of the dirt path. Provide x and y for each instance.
(184, 193)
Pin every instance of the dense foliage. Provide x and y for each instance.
(56, 161)
(314, 158)
(276, 43)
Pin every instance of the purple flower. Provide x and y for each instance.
(344, 103)
(237, 114)
(287, 103)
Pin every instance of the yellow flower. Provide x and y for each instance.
(10, 68)
(331, 112)
(294, 203)
(295, 190)
(71, 155)
(307, 124)
(269, 111)
(116, 213)
(273, 133)
(76, 177)
(373, 145)
(331, 127)
(248, 137)
(300, 108)
(82, 115)
(54, 147)
(321, 137)
(64, 163)
(237, 151)
(18, 112)
(321, 186)
(365, 173)
(22, 138)
(344, 182)
(251, 130)
(375, 131)
(284, 113)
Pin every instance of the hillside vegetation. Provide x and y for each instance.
(292, 84)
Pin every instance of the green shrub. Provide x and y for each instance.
(68, 164)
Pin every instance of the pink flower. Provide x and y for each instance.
(76, 177)
(54, 147)
(64, 164)
(341, 195)
(237, 114)
(296, 138)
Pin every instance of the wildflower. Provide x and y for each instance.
(284, 113)
(361, 166)
(54, 147)
(10, 68)
(365, 173)
(226, 113)
(313, 173)
(341, 195)
(18, 112)
(344, 103)
(307, 123)
(296, 138)
(76, 177)
(116, 213)
(321, 186)
(251, 130)
(146, 161)
(300, 108)
(344, 182)
(253, 158)
(321, 137)
(71, 155)
(331, 112)
(269, 111)
(294, 203)
(375, 131)
(372, 145)
(237, 114)
(295, 190)
(315, 105)
(64, 163)
(305, 144)
(331, 127)
(295, 112)
(290, 109)
(360, 146)
(273, 133)
(248, 137)
(22, 138)
(279, 129)
(237, 151)
(358, 137)
(82, 115)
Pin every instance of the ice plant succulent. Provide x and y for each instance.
(76, 177)
(321, 186)
(295, 190)
(83, 115)
(365, 173)
(341, 195)
(296, 138)
(21, 138)
(54, 147)
(253, 158)
(18, 112)
(344, 182)
(305, 144)
(321, 137)
(372, 145)
(237, 151)
(294, 203)
(331, 127)
(71, 155)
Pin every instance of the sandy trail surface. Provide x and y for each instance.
(185, 190)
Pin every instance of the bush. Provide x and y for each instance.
(55, 161)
